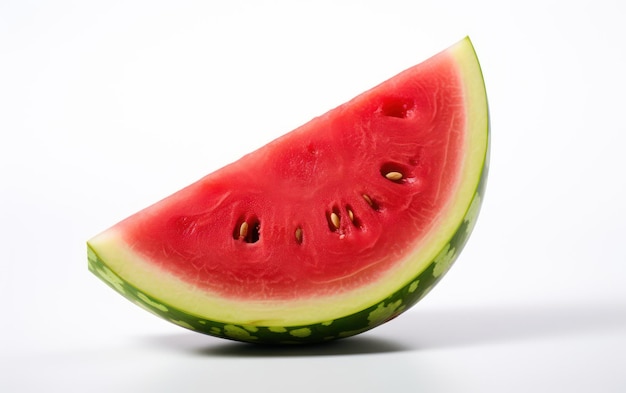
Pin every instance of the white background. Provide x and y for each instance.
(106, 107)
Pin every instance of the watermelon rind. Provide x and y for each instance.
(323, 320)
(359, 322)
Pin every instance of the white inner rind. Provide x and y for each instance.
(168, 289)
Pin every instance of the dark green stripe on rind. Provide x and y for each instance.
(364, 320)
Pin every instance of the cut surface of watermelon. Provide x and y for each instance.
(329, 230)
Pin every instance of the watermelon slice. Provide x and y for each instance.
(326, 232)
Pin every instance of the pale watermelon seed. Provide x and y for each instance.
(334, 219)
(353, 218)
(350, 214)
(394, 176)
(249, 230)
(298, 235)
(370, 201)
(243, 229)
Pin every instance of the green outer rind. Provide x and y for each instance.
(346, 326)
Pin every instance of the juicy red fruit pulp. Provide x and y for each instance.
(328, 207)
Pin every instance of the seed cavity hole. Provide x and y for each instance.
(247, 230)
(298, 235)
(396, 173)
(371, 202)
(397, 107)
(353, 218)
(333, 218)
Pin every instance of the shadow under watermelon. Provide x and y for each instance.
(201, 345)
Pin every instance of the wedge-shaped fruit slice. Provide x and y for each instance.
(326, 232)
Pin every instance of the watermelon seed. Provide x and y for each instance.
(248, 230)
(243, 230)
(394, 176)
(350, 214)
(370, 201)
(355, 221)
(397, 172)
(298, 235)
(332, 216)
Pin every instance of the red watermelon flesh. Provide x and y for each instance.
(299, 180)
(342, 205)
